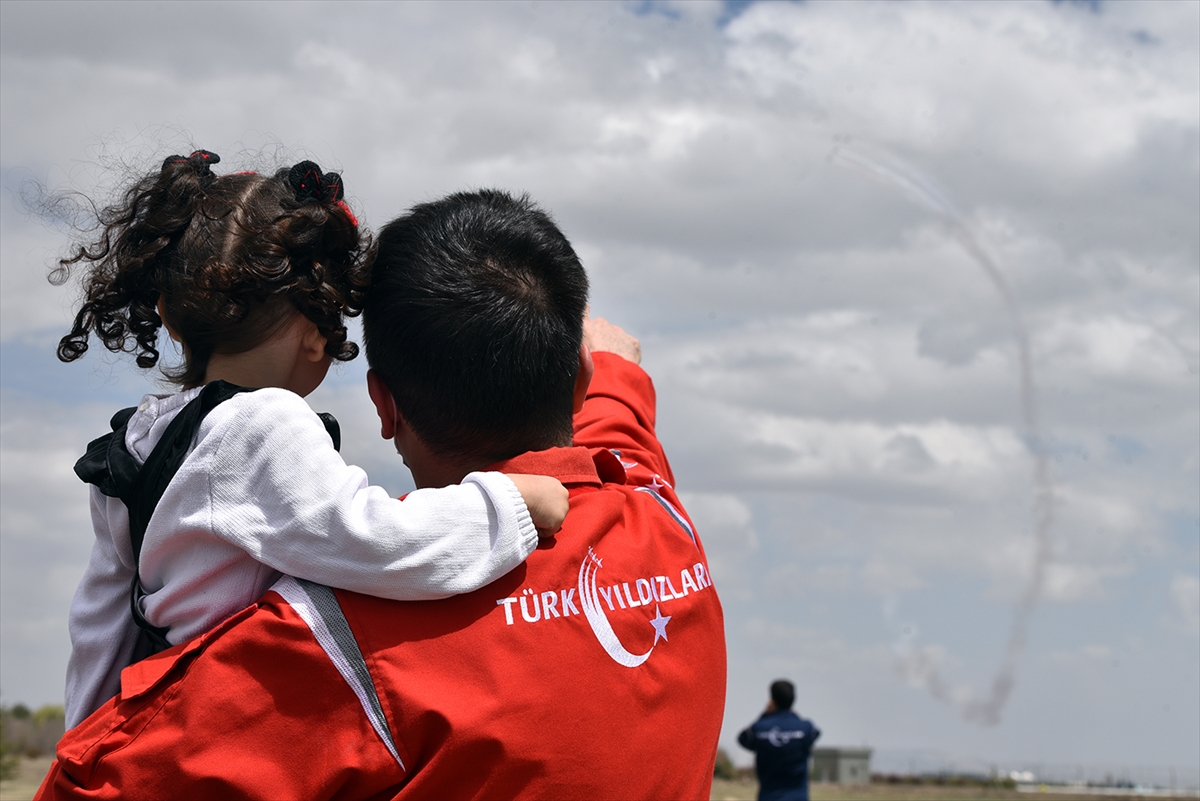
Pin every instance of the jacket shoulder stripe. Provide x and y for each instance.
(671, 510)
(318, 607)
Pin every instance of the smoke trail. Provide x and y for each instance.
(924, 192)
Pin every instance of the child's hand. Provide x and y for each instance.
(546, 498)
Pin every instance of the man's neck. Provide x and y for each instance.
(432, 470)
(439, 475)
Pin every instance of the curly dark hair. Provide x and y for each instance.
(231, 258)
(474, 322)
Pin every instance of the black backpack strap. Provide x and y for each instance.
(164, 461)
(332, 428)
(147, 490)
(109, 465)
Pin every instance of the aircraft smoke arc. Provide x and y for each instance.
(921, 190)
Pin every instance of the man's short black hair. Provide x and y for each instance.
(474, 321)
(783, 693)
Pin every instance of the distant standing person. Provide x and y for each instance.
(782, 742)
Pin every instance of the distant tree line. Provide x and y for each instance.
(26, 732)
(725, 769)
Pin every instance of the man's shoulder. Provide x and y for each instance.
(216, 700)
(613, 624)
(799, 720)
(784, 719)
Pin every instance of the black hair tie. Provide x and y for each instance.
(310, 184)
(200, 160)
(203, 159)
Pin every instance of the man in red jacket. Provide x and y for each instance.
(595, 670)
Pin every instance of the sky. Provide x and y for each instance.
(918, 285)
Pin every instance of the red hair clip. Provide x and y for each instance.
(346, 208)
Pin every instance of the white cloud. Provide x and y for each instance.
(1185, 591)
(27, 300)
(1109, 347)
(1076, 582)
(725, 524)
(802, 645)
(954, 79)
(890, 577)
(960, 456)
(838, 380)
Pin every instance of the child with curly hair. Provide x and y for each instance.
(203, 497)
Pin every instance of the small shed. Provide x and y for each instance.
(841, 765)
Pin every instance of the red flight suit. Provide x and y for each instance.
(596, 670)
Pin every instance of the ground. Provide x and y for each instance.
(30, 773)
(747, 789)
(33, 770)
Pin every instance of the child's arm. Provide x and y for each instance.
(103, 633)
(278, 490)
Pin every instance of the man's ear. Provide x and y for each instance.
(583, 378)
(385, 404)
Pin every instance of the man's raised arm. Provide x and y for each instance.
(619, 413)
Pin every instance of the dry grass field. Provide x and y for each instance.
(747, 789)
(31, 772)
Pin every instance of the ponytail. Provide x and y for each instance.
(228, 257)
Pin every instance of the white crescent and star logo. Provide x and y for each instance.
(779, 738)
(589, 599)
(660, 590)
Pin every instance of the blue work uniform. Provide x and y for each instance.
(782, 743)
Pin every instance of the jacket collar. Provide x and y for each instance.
(588, 466)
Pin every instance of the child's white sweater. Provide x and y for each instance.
(263, 492)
